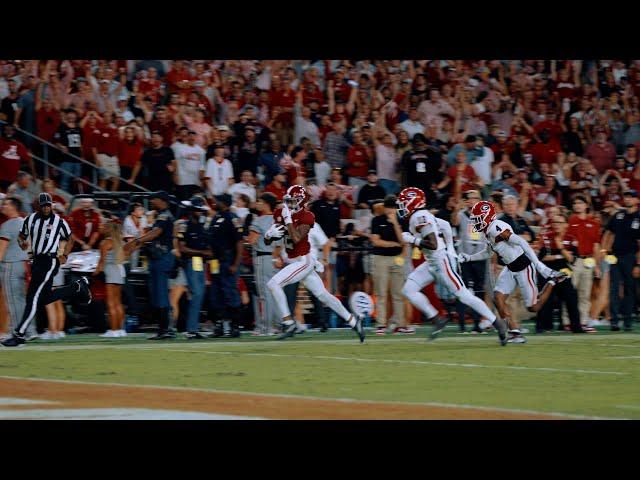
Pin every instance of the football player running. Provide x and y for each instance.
(292, 223)
(426, 233)
(521, 265)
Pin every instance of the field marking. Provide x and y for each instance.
(631, 357)
(312, 397)
(11, 401)
(409, 362)
(114, 414)
(629, 407)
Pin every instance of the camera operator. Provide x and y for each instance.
(559, 251)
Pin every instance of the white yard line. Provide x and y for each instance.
(628, 407)
(114, 414)
(406, 362)
(632, 357)
(311, 397)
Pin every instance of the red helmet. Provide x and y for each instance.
(482, 214)
(296, 198)
(410, 200)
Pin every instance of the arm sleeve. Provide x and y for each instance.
(4, 232)
(531, 255)
(65, 231)
(483, 255)
(24, 230)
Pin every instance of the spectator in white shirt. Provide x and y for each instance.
(244, 186)
(219, 173)
(387, 164)
(412, 125)
(483, 162)
(191, 166)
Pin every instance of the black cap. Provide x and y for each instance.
(506, 175)
(470, 138)
(45, 199)
(631, 193)
(224, 198)
(419, 137)
(372, 171)
(161, 194)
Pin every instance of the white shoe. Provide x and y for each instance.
(61, 334)
(524, 330)
(109, 334)
(31, 337)
(484, 324)
(121, 333)
(47, 335)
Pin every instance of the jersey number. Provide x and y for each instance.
(498, 228)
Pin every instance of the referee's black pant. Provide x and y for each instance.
(39, 293)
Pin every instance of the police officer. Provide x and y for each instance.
(226, 246)
(193, 243)
(161, 261)
(263, 263)
(621, 245)
(471, 242)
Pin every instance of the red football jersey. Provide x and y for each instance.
(303, 217)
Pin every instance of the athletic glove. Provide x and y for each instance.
(318, 267)
(286, 214)
(409, 238)
(463, 257)
(275, 231)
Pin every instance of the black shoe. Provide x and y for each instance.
(628, 329)
(359, 329)
(162, 336)
(234, 333)
(14, 340)
(438, 326)
(615, 328)
(193, 336)
(83, 287)
(288, 331)
(323, 328)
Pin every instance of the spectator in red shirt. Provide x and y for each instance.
(359, 158)
(163, 123)
(148, 84)
(12, 154)
(547, 149)
(179, 79)
(131, 142)
(601, 153)
(462, 176)
(47, 118)
(104, 147)
(85, 224)
(278, 186)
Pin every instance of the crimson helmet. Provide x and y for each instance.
(482, 214)
(410, 200)
(296, 198)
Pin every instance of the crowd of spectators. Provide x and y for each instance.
(534, 133)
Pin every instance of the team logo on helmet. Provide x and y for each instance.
(482, 214)
(410, 200)
(296, 198)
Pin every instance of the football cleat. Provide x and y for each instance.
(359, 329)
(438, 326)
(288, 331)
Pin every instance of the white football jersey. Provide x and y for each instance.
(421, 224)
(507, 252)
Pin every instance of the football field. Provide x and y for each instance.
(325, 376)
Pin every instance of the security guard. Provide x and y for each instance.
(621, 245)
(226, 245)
(161, 261)
(193, 242)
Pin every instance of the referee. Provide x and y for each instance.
(45, 230)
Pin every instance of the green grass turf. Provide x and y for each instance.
(455, 369)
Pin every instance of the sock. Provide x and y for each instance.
(466, 297)
(226, 326)
(352, 321)
(288, 322)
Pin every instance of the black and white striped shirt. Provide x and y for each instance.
(45, 232)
